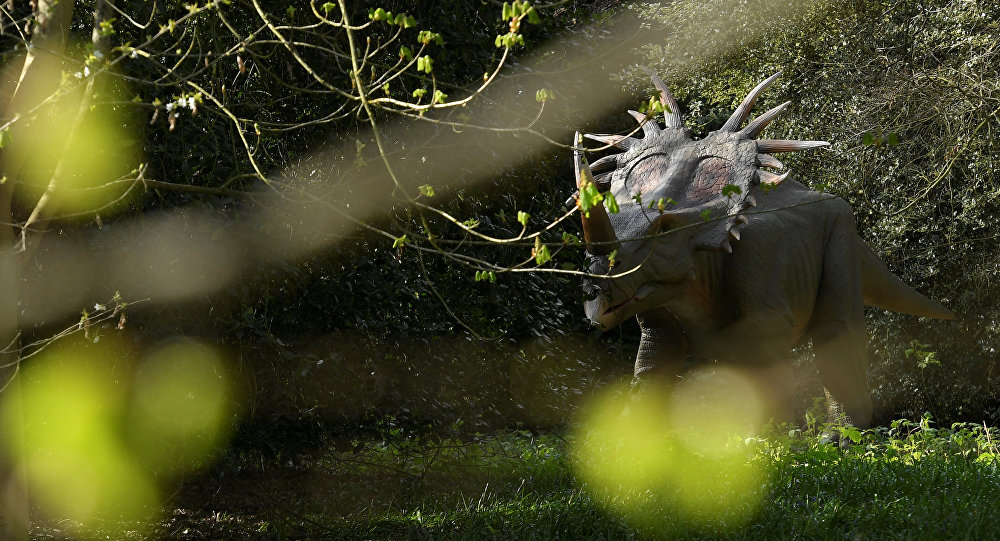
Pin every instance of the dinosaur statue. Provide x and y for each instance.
(719, 257)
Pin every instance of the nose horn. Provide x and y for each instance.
(597, 230)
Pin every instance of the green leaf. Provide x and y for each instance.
(590, 197)
(405, 52)
(654, 104)
(541, 252)
(290, 10)
(399, 20)
(543, 94)
(420, 92)
(507, 12)
(730, 190)
(868, 139)
(330, 6)
(400, 242)
(107, 26)
(612, 259)
(522, 218)
(380, 15)
(611, 202)
(426, 37)
(425, 64)
(426, 190)
(439, 97)
(851, 433)
(409, 21)
(533, 17)
(706, 215)
(568, 238)
(893, 139)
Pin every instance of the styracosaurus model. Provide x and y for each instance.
(720, 257)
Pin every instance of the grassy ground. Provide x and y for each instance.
(909, 481)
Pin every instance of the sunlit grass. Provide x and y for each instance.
(910, 481)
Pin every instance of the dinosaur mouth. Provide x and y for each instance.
(642, 293)
(621, 305)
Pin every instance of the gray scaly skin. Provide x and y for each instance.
(740, 274)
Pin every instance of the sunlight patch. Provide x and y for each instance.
(82, 153)
(96, 437)
(676, 458)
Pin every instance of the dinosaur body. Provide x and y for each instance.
(720, 258)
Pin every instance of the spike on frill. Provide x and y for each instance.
(741, 112)
(606, 163)
(770, 146)
(766, 160)
(603, 181)
(758, 124)
(767, 177)
(672, 113)
(623, 142)
(649, 126)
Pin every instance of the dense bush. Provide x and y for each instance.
(905, 91)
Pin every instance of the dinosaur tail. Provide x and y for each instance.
(883, 289)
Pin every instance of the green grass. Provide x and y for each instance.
(910, 481)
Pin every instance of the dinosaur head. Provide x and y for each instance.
(676, 195)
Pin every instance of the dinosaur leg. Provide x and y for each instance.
(843, 365)
(661, 349)
(838, 328)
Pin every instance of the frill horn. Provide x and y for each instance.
(770, 146)
(597, 230)
(623, 142)
(649, 126)
(758, 124)
(741, 112)
(672, 113)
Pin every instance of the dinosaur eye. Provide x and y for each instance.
(648, 174)
(711, 175)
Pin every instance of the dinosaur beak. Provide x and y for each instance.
(597, 230)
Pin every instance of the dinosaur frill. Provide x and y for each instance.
(677, 181)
